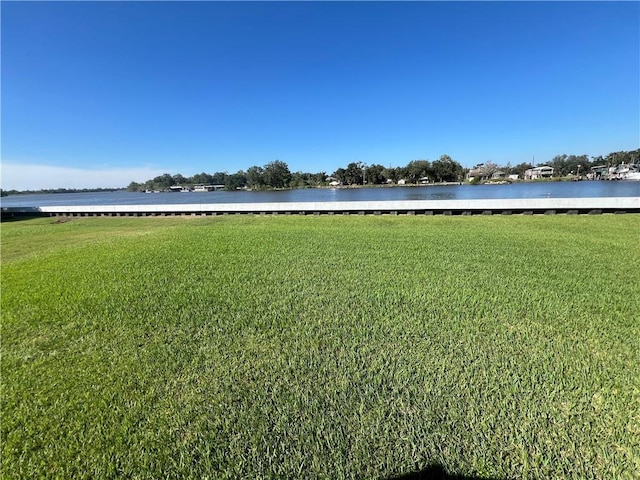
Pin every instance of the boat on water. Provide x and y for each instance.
(207, 188)
(179, 188)
(624, 171)
(627, 171)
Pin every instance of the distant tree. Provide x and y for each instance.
(521, 168)
(179, 179)
(577, 165)
(317, 178)
(255, 177)
(402, 173)
(306, 179)
(341, 175)
(559, 163)
(374, 174)
(445, 169)
(161, 182)
(488, 169)
(277, 174)
(134, 187)
(417, 169)
(200, 178)
(564, 165)
(616, 158)
(299, 180)
(390, 174)
(235, 181)
(354, 174)
(218, 178)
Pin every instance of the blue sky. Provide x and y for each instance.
(99, 94)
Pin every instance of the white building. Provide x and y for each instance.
(538, 172)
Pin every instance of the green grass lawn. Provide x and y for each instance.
(321, 347)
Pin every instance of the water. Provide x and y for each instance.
(583, 189)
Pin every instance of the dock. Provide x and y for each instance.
(523, 206)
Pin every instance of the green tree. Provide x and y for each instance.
(255, 177)
(559, 164)
(521, 168)
(161, 182)
(277, 174)
(179, 179)
(200, 178)
(318, 178)
(299, 180)
(235, 181)
(577, 165)
(402, 173)
(374, 174)
(417, 169)
(616, 158)
(218, 178)
(564, 165)
(354, 174)
(445, 169)
(341, 175)
(391, 173)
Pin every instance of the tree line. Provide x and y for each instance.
(4, 193)
(563, 165)
(276, 174)
(445, 169)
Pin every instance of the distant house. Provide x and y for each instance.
(402, 181)
(424, 180)
(207, 188)
(179, 188)
(599, 171)
(475, 173)
(514, 176)
(498, 175)
(538, 172)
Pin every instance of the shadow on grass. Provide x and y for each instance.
(436, 472)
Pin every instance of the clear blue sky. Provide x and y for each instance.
(103, 93)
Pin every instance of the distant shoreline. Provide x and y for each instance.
(49, 191)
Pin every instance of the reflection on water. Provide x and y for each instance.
(431, 192)
(443, 196)
(430, 195)
(416, 196)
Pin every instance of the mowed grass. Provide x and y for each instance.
(321, 347)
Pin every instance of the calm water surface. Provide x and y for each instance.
(583, 189)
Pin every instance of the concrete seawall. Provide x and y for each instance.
(408, 207)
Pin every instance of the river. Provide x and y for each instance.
(584, 189)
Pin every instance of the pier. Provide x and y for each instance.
(524, 206)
